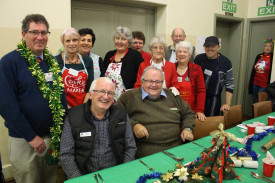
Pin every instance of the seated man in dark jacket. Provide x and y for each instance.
(270, 89)
(96, 135)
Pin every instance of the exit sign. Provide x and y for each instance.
(229, 7)
(268, 10)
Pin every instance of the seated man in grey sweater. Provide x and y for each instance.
(96, 135)
(159, 119)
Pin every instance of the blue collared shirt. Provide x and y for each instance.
(41, 56)
(145, 94)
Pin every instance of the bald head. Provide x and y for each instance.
(178, 35)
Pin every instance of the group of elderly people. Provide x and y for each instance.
(164, 82)
(98, 134)
(125, 65)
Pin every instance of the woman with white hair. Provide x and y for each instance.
(190, 79)
(77, 70)
(158, 47)
(122, 64)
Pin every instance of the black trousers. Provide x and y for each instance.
(212, 106)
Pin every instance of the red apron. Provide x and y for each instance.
(75, 84)
(186, 91)
(113, 73)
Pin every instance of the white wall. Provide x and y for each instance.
(196, 17)
(58, 14)
(253, 6)
(12, 12)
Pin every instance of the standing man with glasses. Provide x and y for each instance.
(177, 36)
(96, 134)
(160, 120)
(31, 94)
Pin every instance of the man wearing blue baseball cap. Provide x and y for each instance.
(218, 73)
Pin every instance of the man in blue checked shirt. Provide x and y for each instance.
(96, 135)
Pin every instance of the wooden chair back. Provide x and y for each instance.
(262, 96)
(203, 129)
(261, 108)
(233, 117)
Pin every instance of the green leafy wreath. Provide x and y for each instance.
(51, 93)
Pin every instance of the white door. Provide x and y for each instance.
(104, 18)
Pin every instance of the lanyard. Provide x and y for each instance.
(187, 78)
(64, 67)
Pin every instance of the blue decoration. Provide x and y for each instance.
(248, 147)
(153, 175)
(190, 164)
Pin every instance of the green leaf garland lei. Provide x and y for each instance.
(52, 93)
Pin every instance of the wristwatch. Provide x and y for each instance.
(189, 129)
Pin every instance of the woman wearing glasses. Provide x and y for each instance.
(158, 47)
(191, 80)
(122, 63)
(77, 70)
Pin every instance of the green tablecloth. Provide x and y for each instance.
(130, 172)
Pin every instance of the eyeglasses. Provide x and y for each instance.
(158, 47)
(157, 82)
(178, 36)
(102, 93)
(36, 33)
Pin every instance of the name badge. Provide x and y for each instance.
(173, 109)
(179, 79)
(207, 72)
(121, 123)
(48, 76)
(73, 72)
(85, 134)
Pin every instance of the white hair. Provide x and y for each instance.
(69, 32)
(159, 40)
(184, 44)
(153, 68)
(107, 80)
(124, 31)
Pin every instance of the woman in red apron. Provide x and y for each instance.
(123, 63)
(190, 79)
(157, 49)
(77, 70)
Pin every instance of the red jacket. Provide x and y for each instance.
(198, 86)
(169, 70)
(146, 55)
